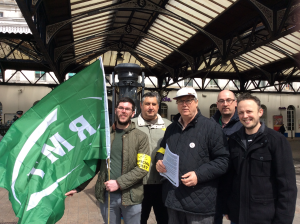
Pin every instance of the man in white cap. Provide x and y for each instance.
(203, 158)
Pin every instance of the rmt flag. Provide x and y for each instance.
(54, 146)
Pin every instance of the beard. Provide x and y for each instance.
(253, 126)
(124, 122)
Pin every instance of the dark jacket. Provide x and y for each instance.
(261, 180)
(208, 157)
(232, 126)
(135, 142)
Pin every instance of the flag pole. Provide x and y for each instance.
(108, 198)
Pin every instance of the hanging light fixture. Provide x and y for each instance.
(119, 58)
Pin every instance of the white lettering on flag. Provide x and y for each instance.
(35, 198)
(38, 172)
(84, 126)
(36, 134)
(55, 139)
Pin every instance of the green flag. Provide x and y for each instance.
(55, 146)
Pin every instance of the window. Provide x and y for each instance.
(262, 84)
(39, 74)
(263, 118)
(291, 118)
(71, 74)
(212, 110)
(1, 14)
(212, 83)
(107, 78)
(164, 110)
(237, 83)
(188, 82)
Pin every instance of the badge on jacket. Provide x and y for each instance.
(192, 145)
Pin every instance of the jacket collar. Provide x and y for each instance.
(142, 122)
(129, 128)
(234, 118)
(193, 122)
(241, 134)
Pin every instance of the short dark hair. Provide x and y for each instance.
(248, 96)
(151, 94)
(126, 100)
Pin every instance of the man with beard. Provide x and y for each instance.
(130, 162)
(151, 123)
(261, 183)
(228, 119)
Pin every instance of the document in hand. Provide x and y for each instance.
(171, 162)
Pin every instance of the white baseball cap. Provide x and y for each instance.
(186, 91)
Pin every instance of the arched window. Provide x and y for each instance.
(212, 110)
(35, 102)
(264, 116)
(164, 110)
(291, 118)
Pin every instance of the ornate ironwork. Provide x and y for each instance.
(280, 15)
(268, 13)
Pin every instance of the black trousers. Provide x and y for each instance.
(153, 197)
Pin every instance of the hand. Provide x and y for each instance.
(160, 167)
(111, 185)
(227, 217)
(189, 179)
(71, 193)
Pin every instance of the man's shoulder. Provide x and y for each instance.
(274, 136)
(139, 132)
(166, 121)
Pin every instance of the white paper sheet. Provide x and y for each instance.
(171, 162)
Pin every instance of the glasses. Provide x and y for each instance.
(229, 101)
(127, 109)
(187, 102)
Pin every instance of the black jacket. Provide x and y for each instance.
(232, 126)
(202, 147)
(261, 179)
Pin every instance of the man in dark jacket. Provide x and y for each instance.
(228, 119)
(203, 158)
(261, 179)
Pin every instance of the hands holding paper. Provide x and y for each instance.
(160, 167)
(189, 179)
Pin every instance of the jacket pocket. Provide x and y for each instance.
(262, 210)
(260, 164)
(137, 193)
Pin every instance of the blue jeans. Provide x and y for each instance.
(131, 214)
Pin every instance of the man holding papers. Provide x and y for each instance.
(203, 158)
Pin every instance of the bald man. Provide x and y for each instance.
(226, 115)
(228, 118)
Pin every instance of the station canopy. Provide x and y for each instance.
(172, 40)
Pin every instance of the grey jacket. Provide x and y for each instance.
(155, 134)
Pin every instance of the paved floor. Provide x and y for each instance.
(82, 208)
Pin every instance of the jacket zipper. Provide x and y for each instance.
(247, 185)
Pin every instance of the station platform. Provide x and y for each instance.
(83, 208)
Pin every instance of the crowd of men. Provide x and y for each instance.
(230, 165)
